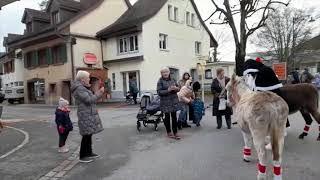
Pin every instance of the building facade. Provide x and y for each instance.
(143, 40)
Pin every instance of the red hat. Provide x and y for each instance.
(258, 59)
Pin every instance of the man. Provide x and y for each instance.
(133, 88)
(296, 76)
(260, 77)
(306, 76)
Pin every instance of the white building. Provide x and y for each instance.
(150, 35)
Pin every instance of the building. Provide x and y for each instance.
(150, 35)
(308, 55)
(60, 41)
(6, 2)
(211, 69)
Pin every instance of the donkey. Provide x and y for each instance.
(304, 98)
(259, 114)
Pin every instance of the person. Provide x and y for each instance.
(133, 88)
(64, 124)
(186, 97)
(306, 76)
(167, 89)
(218, 90)
(260, 77)
(198, 109)
(89, 121)
(186, 76)
(295, 76)
(316, 80)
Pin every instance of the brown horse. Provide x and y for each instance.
(304, 98)
(259, 114)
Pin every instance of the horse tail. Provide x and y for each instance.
(275, 140)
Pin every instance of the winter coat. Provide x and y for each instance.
(63, 119)
(306, 77)
(133, 88)
(169, 101)
(88, 118)
(185, 94)
(216, 90)
(198, 107)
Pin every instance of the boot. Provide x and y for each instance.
(186, 125)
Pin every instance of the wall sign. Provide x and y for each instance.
(90, 59)
(281, 70)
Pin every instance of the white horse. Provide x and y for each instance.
(259, 114)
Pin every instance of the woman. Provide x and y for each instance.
(186, 76)
(217, 87)
(88, 118)
(167, 89)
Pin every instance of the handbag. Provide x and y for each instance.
(222, 104)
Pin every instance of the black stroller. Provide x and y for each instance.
(149, 112)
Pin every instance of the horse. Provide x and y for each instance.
(304, 98)
(259, 114)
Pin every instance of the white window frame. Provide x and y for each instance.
(124, 44)
(176, 14)
(170, 7)
(193, 20)
(163, 42)
(188, 18)
(198, 48)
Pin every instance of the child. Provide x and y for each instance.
(185, 96)
(198, 109)
(64, 124)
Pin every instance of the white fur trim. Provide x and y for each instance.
(269, 88)
(249, 71)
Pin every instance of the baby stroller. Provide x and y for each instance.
(149, 112)
(129, 98)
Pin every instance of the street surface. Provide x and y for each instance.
(204, 153)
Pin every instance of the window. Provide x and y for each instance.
(128, 44)
(55, 17)
(29, 27)
(193, 19)
(20, 83)
(208, 74)
(59, 54)
(163, 41)
(188, 18)
(8, 67)
(16, 84)
(170, 12)
(113, 81)
(52, 88)
(176, 14)
(198, 48)
(42, 55)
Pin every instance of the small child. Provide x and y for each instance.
(198, 109)
(64, 124)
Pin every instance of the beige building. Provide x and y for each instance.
(61, 40)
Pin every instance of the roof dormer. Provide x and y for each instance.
(62, 10)
(35, 20)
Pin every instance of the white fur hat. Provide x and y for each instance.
(63, 102)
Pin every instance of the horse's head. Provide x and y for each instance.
(234, 88)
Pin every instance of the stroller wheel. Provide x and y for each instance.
(145, 124)
(138, 126)
(156, 127)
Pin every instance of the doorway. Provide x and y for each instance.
(127, 77)
(66, 93)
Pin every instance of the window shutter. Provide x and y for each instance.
(63, 53)
(34, 61)
(49, 56)
(25, 61)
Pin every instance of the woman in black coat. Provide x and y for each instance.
(217, 86)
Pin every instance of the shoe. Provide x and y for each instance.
(198, 125)
(170, 135)
(177, 137)
(218, 127)
(229, 127)
(94, 156)
(63, 149)
(85, 160)
(186, 126)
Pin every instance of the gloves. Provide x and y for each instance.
(61, 129)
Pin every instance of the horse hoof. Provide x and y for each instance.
(246, 160)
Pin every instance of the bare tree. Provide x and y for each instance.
(285, 30)
(222, 38)
(246, 9)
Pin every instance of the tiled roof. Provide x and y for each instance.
(36, 14)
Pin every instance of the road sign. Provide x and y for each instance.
(281, 70)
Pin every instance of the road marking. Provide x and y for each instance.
(25, 141)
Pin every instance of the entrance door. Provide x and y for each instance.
(132, 76)
(66, 93)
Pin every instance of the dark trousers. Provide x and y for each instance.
(86, 146)
(134, 95)
(174, 122)
(191, 113)
(279, 93)
(219, 121)
(63, 138)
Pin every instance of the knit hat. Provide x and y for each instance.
(63, 103)
(258, 59)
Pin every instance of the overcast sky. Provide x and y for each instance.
(10, 22)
